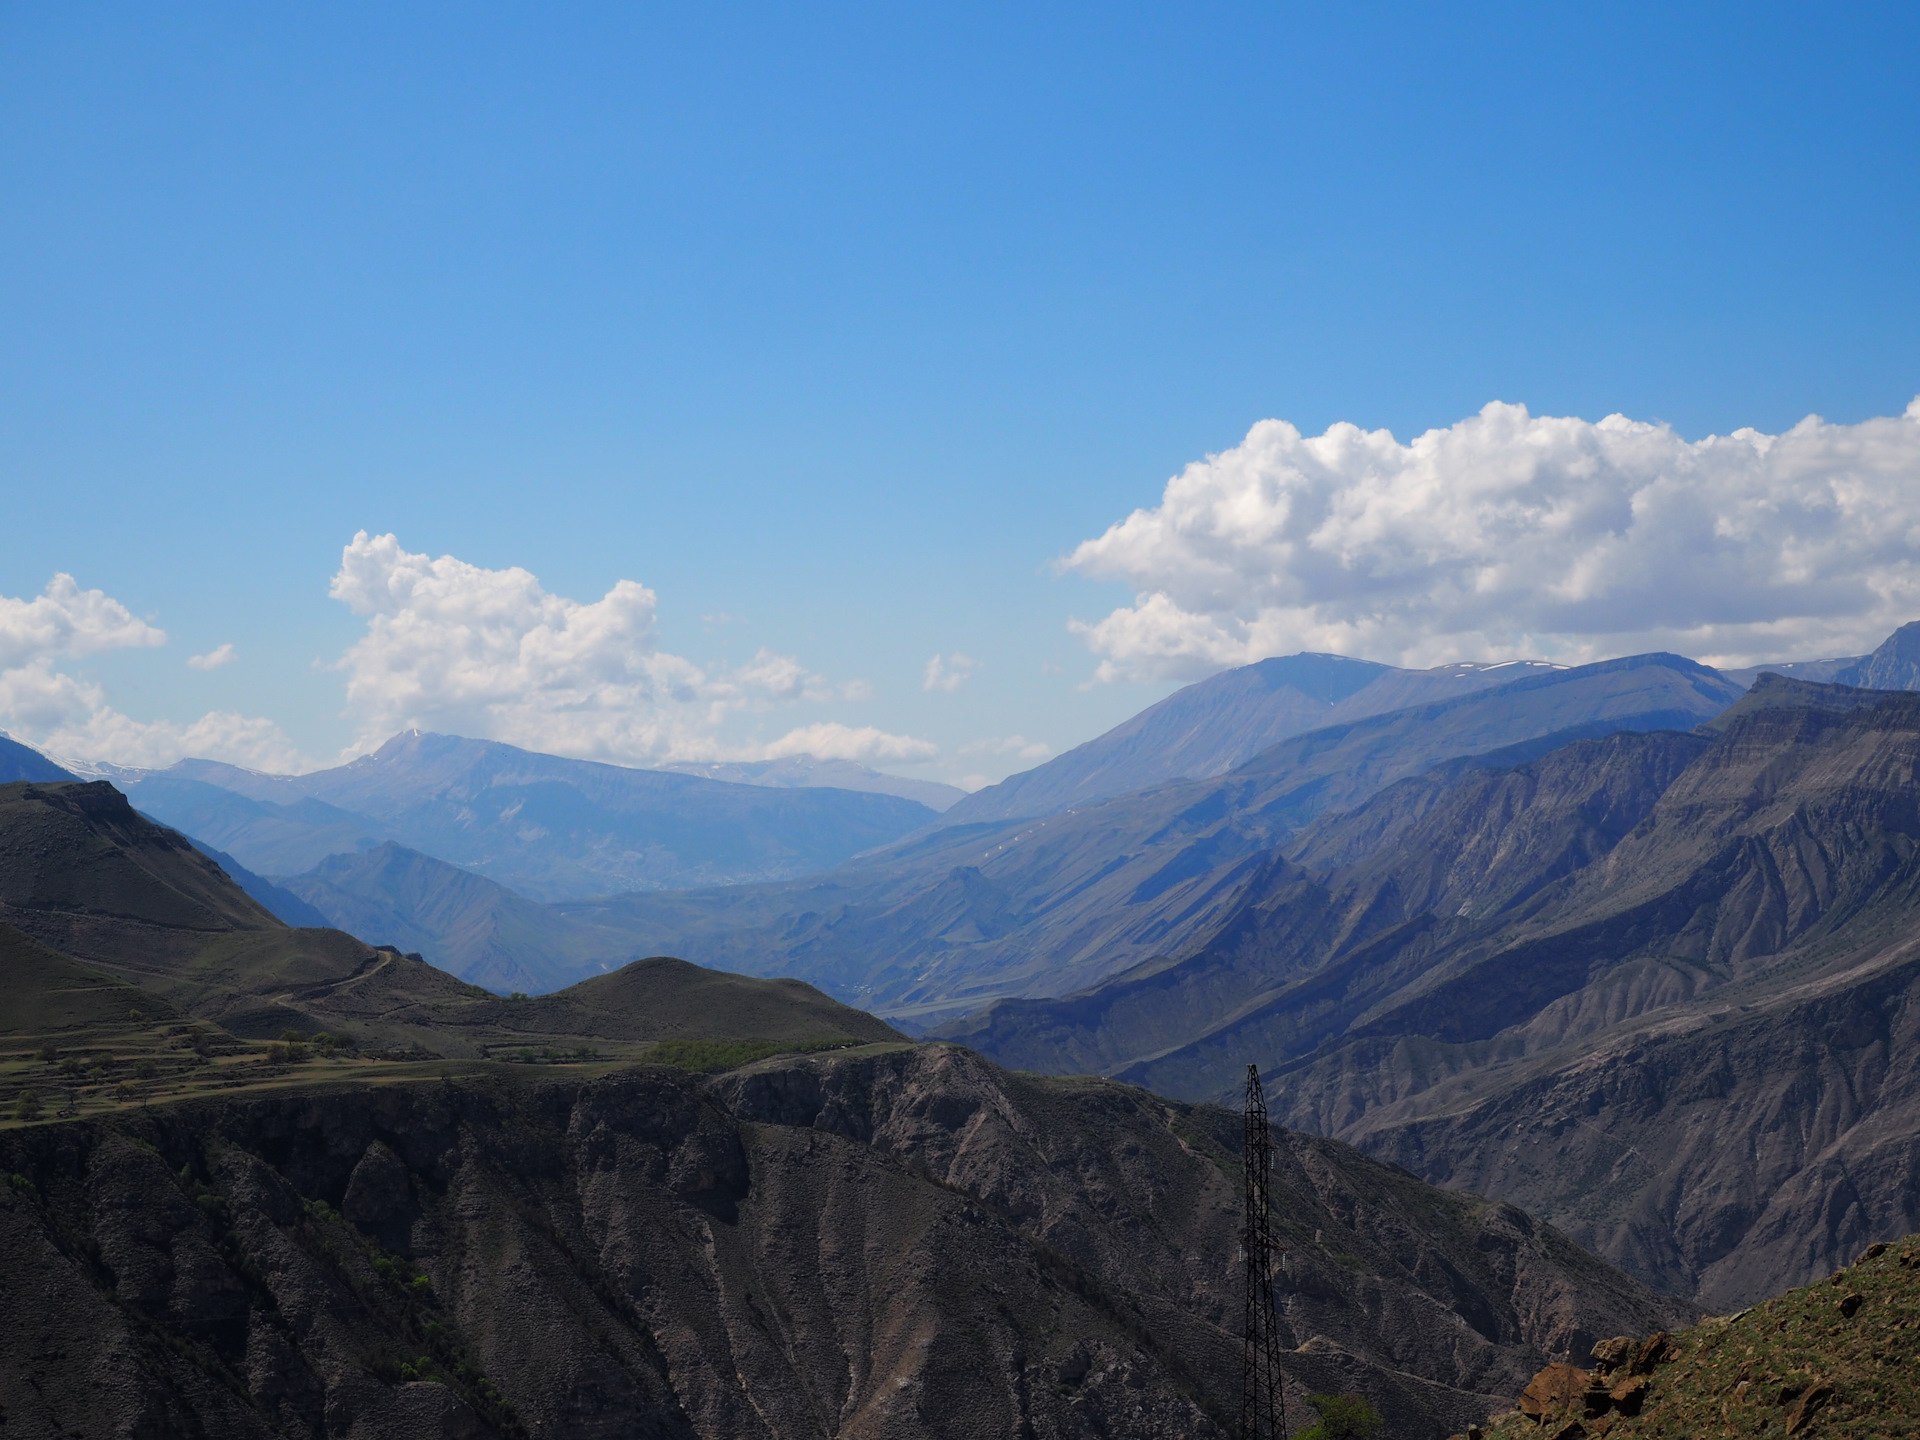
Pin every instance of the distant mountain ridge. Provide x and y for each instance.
(464, 923)
(795, 772)
(548, 827)
(1209, 727)
(948, 920)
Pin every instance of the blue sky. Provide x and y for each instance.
(836, 328)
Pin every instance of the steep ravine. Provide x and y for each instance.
(895, 1241)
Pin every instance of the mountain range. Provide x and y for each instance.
(1660, 987)
(550, 828)
(944, 922)
(1207, 728)
(1622, 944)
(454, 1214)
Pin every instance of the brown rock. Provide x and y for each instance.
(1656, 1349)
(1628, 1394)
(1850, 1305)
(1572, 1430)
(1811, 1403)
(1611, 1354)
(1872, 1252)
(1558, 1387)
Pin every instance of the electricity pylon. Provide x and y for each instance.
(1263, 1410)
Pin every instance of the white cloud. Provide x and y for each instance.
(1509, 535)
(65, 620)
(213, 659)
(491, 653)
(948, 672)
(1015, 745)
(833, 741)
(51, 710)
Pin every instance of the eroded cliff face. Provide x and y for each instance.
(904, 1242)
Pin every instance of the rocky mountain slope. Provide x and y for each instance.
(943, 923)
(1207, 728)
(1658, 988)
(894, 1242)
(1832, 1359)
(545, 826)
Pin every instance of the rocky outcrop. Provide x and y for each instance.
(900, 1243)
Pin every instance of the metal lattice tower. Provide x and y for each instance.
(1263, 1412)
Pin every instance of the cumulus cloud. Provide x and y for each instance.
(65, 620)
(1016, 745)
(43, 706)
(833, 741)
(1510, 535)
(948, 672)
(456, 647)
(213, 659)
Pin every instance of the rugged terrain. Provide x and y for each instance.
(943, 923)
(1658, 988)
(1834, 1359)
(441, 1212)
(894, 1241)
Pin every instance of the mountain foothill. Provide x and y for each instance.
(462, 1090)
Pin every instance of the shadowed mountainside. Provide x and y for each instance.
(17, 762)
(946, 922)
(1658, 988)
(902, 1242)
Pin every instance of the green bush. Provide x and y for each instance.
(1342, 1417)
(26, 1106)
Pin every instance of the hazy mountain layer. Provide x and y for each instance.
(462, 922)
(798, 772)
(1658, 987)
(548, 827)
(270, 837)
(283, 905)
(945, 922)
(1211, 726)
(84, 874)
